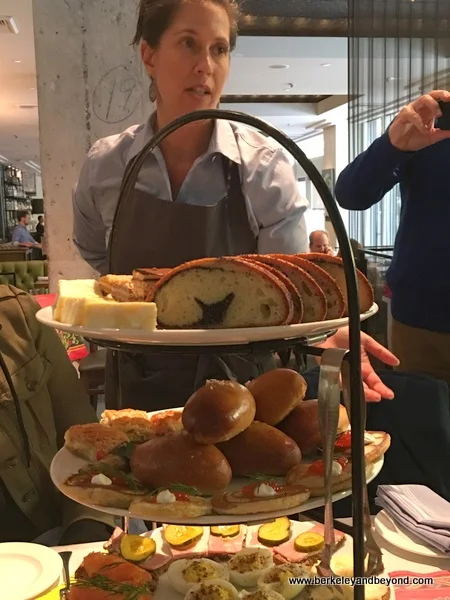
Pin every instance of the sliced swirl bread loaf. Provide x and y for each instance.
(293, 291)
(333, 293)
(334, 266)
(313, 298)
(221, 293)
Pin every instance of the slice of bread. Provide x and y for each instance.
(293, 291)
(333, 293)
(334, 266)
(221, 293)
(313, 298)
(93, 441)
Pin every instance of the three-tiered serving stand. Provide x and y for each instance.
(300, 344)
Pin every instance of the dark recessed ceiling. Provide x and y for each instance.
(291, 9)
(372, 18)
(266, 99)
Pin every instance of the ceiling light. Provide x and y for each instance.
(278, 66)
(17, 61)
(8, 25)
(325, 65)
(3, 159)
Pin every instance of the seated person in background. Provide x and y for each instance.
(50, 400)
(21, 236)
(320, 242)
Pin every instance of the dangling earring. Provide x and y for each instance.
(152, 91)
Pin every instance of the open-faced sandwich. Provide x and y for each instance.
(107, 577)
(104, 485)
(260, 496)
(312, 476)
(141, 426)
(94, 441)
(291, 541)
(172, 501)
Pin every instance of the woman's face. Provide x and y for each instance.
(191, 63)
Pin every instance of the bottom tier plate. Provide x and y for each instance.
(65, 464)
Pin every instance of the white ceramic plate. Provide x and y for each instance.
(65, 464)
(165, 591)
(204, 337)
(27, 570)
(393, 533)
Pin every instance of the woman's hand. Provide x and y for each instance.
(374, 388)
(413, 128)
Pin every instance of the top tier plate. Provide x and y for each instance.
(200, 337)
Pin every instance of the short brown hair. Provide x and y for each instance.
(155, 16)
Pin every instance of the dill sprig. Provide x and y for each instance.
(101, 582)
(177, 487)
(260, 477)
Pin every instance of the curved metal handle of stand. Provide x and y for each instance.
(329, 395)
(128, 184)
(375, 563)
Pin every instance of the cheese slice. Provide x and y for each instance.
(74, 310)
(120, 315)
(73, 289)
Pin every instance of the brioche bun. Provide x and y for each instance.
(261, 449)
(276, 394)
(302, 425)
(178, 458)
(218, 411)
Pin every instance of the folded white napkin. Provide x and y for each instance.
(420, 511)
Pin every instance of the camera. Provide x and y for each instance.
(444, 121)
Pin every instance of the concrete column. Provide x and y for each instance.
(335, 158)
(90, 84)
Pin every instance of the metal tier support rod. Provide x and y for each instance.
(358, 467)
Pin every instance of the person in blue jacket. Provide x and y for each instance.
(415, 154)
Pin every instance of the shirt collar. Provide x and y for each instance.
(223, 140)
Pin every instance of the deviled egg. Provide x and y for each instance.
(213, 589)
(277, 579)
(260, 595)
(248, 565)
(185, 573)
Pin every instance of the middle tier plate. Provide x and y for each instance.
(65, 464)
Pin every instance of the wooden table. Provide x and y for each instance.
(15, 254)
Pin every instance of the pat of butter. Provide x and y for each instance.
(101, 479)
(264, 491)
(165, 497)
(121, 315)
(336, 468)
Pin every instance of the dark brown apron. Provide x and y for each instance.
(157, 233)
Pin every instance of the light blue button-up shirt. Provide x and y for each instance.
(21, 235)
(274, 206)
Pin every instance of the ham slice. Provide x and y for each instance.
(199, 549)
(287, 550)
(218, 545)
(252, 537)
(163, 554)
(159, 559)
